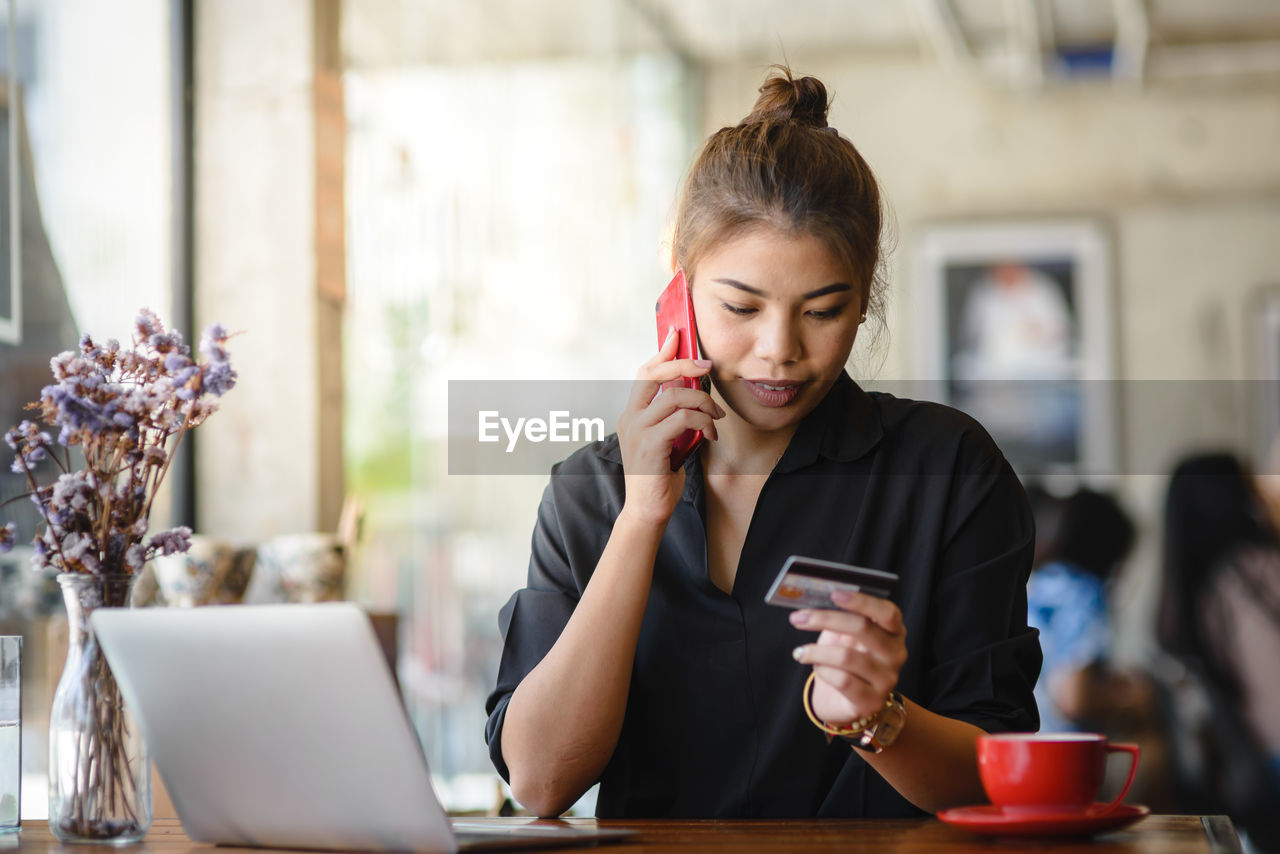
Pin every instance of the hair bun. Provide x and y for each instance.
(785, 98)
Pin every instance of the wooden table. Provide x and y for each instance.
(1157, 834)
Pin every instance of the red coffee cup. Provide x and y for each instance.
(1049, 772)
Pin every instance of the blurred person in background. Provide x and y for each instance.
(1067, 602)
(1220, 618)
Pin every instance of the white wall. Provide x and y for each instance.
(255, 265)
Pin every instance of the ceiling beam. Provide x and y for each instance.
(938, 28)
(1208, 60)
(659, 21)
(1026, 57)
(1133, 37)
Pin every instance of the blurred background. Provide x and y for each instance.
(387, 196)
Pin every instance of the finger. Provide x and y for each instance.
(666, 352)
(671, 399)
(865, 697)
(826, 620)
(854, 631)
(667, 349)
(685, 419)
(650, 449)
(671, 370)
(882, 612)
(853, 612)
(653, 374)
(860, 666)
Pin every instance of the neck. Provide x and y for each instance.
(741, 448)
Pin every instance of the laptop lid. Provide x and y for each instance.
(276, 725)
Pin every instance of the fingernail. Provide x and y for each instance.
(799, 618)
(841, 597)
(702, 363)
(798, 653)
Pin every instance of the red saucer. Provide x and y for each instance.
(995, 821)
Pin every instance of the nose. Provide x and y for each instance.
(778, 341)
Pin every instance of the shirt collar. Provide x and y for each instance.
(843, 427)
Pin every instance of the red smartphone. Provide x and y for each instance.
(675, 309)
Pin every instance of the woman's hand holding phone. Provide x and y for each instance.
(653, 419)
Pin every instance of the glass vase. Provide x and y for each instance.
(99, 770)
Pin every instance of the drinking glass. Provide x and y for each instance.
(10, 731)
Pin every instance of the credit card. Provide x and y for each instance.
(807, 582)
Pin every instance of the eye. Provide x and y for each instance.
(739, 310)
(826, 313)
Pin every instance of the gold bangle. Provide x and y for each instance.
(855, 728)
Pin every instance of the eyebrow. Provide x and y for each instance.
(822, 291)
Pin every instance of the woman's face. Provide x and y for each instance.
(777, 315)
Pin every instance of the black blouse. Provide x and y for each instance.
(714, 726)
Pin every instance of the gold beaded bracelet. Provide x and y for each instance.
(854, 728)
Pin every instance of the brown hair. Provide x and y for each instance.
(782, 166)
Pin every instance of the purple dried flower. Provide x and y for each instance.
(219, 378)
(165, 342)
(172, 541)
(213, 342)
(135, 557)
(60, 363)
(75, 545)
(125, 408)
(8, 536)
(147, 324)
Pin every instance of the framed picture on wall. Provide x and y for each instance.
(1014, 324)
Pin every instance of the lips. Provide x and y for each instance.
(773, 393)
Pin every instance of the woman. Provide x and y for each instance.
(1220, 613)
(642, 655)
(1067, 602)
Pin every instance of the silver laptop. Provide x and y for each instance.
(280, 726)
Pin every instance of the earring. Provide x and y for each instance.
(863, 319)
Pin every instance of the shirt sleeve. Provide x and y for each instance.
(575, 518)
(984, 659)
(531, 621)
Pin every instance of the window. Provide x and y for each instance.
(95, 237)
(499, 216)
